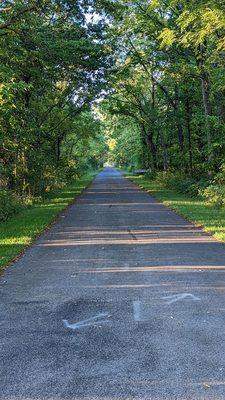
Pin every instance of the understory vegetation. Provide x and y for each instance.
(211, 191)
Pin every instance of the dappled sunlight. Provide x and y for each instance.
(124, 190)
(118, 233)
(126, 290)
(115, 204)
(20, 230)
(127, 286)
(165, 268)
(165, 287)
(15, 241)
(164, 234)
(80, 242)
(195, 209)
(55, 205)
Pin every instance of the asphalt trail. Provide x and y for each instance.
(120, 299)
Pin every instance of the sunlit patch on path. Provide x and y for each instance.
(120, 299)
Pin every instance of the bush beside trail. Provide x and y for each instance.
(212, 191)
(9, 205)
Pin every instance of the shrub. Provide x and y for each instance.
(220, 176)
(196, 188)
(130, 168)
(150, 174)
(9, 205)
(214, 195)
(30, 200)
(174, 180)
(181, 183)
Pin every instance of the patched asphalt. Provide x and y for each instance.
(120, 299)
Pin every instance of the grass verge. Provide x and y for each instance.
(211, 219)
(20, 230)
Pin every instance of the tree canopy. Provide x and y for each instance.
(169, 79)
(53, 64)
(141, 83)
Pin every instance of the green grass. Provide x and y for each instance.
(211, 219)
(20, 230)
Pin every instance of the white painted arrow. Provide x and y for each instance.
(97, 320)
(180, 296)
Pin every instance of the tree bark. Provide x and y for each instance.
(178, 121)
(151, 145)
(148, 139)
(164, 151)
(205, 84)
(208, 110)
(188, 124)
(58, 148)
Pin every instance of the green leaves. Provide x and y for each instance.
(167, 38)
(169, 81)
(52, 70)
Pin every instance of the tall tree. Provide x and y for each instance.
(53, 63)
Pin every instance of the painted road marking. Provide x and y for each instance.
(97, 320)
(137, 310)
(180, 296)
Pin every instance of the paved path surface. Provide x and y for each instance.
(120, 299)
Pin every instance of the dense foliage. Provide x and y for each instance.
(142, 80)
(9, 205)
(52, 69)
(169, 81)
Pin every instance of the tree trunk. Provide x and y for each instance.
(205, 83)
(164, 151)
(178, 120)
(151, 145)
(188, 124)
(58, 149)
(148, 138)
(207, 109)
